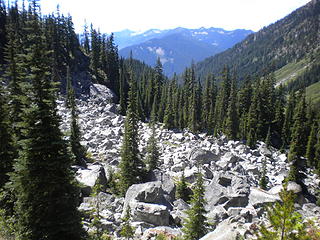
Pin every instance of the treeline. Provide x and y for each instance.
(39, 195)
(256, 111)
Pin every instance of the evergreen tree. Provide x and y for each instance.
(268, 138)
(286, 224)
(196, 225)
(311, 147)
(86, 42)
(263, 182)
(182, 189)
(77, 149)
(288, 121)
(232, 121)
(112, 65)
(69, 90)
(14, 74)
(7, 151)
(152, 159)
(222, 101)
(46, 205)
(3, 40)
(98, 232)
(298, 140)
(127, 230)
(130, 165)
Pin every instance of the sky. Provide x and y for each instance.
(139, 15)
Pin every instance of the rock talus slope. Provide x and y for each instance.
(231, 170)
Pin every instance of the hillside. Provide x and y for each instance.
(287, 41)
(177, 48)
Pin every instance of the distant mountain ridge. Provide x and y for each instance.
(178, 47)
(295, 37)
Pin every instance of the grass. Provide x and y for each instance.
(290, 71)
(313, 94)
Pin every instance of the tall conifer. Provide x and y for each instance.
(131, 165)
(47, 197)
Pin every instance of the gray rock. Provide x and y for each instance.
(150, 192)
(167, 184)
(202, 156)
(259, 198)
(101, 94)
(90, 176)
(224, 231)
(154, 214)
(227, 160)
(292, 186)
(168, 232)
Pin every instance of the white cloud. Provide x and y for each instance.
(160, 51)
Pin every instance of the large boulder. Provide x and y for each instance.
(224, 231)
(91, 175)
(227, 161)
(154, 214)
(202, 156)
(147, 203)
(150, 192)
(227, 190)
(259, 198)
(167, 184)
(168, 232)
(101, 94)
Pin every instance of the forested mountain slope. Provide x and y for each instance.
(288, 40)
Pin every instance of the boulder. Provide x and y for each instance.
(154, 214)
(292, 186)
(88, 177)
(101, 94)
(202, 156)
(259, 197)
(167, 183)
(168, 232)
(150, 192)
(224, 231)
(227, 160)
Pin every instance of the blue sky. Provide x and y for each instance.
(115, 15)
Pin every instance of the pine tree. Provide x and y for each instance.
(286, 224)
(3, 40)
(182, 189)
(263, 182)
(152, 158)
(69, 90)
(311, 147)
(77, 149)
(98, 232)
(112, 65)
(232, 121)
(130, 165)
(127, 230)
(196, 225)
(298, 140)
(14, 74)
(288, 121)
(47, 197)
(168, 119)
(7, 150)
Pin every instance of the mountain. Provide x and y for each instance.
(293, 40)
(178, 47)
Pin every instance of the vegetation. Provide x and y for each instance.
(285, 222)
(40, 56)
(196, 225)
